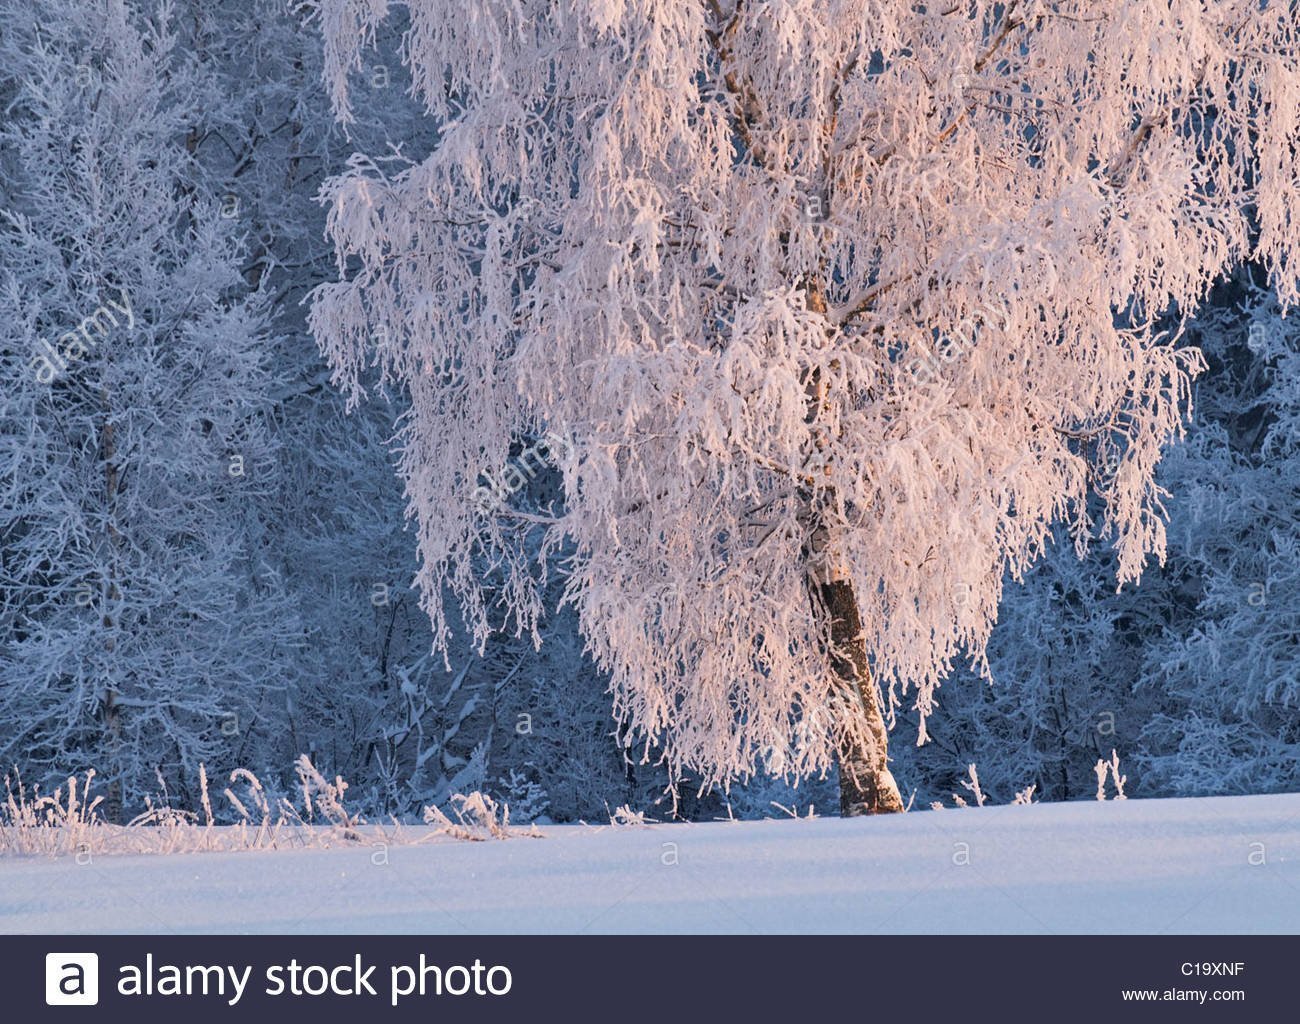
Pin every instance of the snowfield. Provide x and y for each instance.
(1226, 865)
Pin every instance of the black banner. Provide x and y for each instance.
(648, 978)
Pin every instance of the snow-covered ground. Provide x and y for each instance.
(1181, 866)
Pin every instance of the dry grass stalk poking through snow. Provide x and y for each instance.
(67, 822)
(478, 817)
(1110, 767)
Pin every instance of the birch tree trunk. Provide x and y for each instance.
(866, 784)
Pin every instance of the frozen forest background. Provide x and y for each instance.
(205, 559)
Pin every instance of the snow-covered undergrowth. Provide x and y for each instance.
(68, 821)
(1223, 865)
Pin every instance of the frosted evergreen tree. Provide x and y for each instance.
(142, 628)
(1230, 660)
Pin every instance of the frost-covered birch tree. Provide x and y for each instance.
(840, 306)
